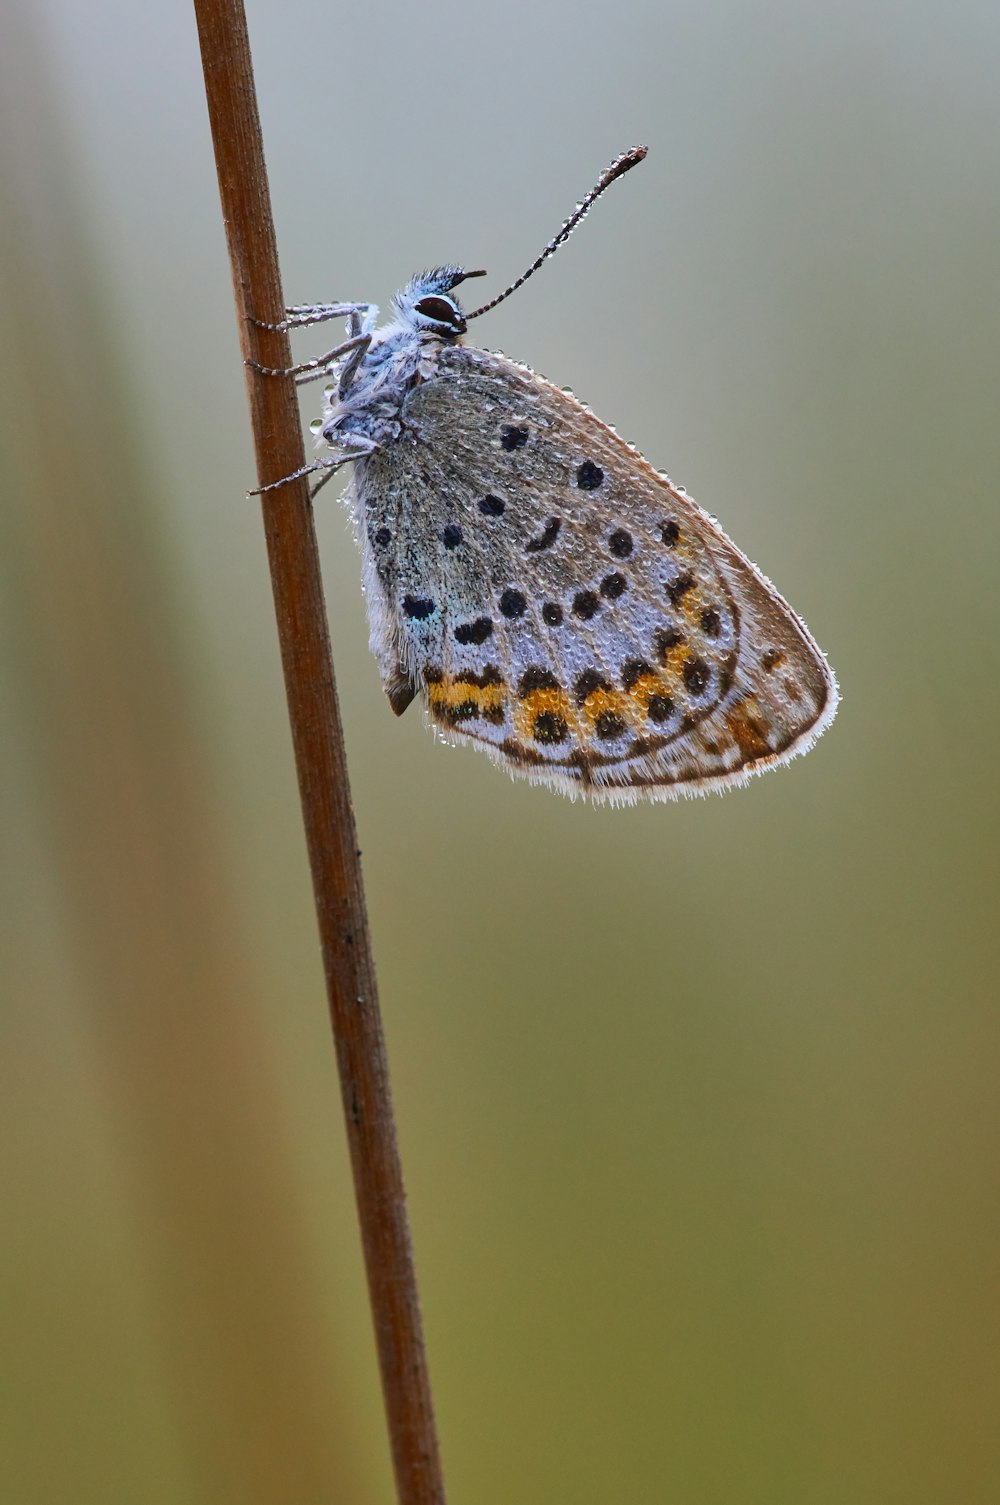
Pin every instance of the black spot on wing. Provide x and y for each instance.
(679, 587)
(609, 725)
(633, 670)
(587, 682)
(546, 538)
(549, 728)
(537, 677)
(513, 603)
(696, 675)
(474, 632)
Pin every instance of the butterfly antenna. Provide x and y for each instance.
(620, 165)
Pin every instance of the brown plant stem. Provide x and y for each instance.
(320, 758)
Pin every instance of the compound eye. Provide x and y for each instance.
(440, 310)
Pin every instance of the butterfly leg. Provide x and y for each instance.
(352, 446)
(360, 345)
(351, 368)
(356, 446)
(318, 367)
(319, 313)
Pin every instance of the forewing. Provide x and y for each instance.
(562, 604)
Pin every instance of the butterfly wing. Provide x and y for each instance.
(561, 604)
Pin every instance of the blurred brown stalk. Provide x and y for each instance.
(135, 1007)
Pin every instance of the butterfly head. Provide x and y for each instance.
(425, 303)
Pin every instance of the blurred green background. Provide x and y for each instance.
(699, 1104)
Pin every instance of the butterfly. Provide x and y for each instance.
(552, 598)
